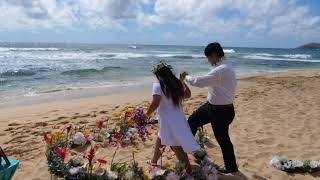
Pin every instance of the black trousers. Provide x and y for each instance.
(220, 119)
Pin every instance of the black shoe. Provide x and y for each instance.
(227, 171)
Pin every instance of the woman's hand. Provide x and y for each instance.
(183, 75)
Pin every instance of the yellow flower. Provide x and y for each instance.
(117, 114)
(57, 136)
(86, 133)
(129, 110)
(130, 122)
(168, 165)
(146, 175)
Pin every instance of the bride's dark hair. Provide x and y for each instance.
(171, 86)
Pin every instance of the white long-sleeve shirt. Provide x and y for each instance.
(221, 83)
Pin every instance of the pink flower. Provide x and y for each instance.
(99, 170)
(114, 144)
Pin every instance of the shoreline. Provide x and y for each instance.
(276, 114)
(94, 92)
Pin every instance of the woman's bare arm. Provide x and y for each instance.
(154, 105)
(187, 92)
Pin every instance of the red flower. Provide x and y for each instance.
(117, 136)
(100, 124)
(123, 144)
(102, 161)
(62, 152)
(47, 139)
(91, 154)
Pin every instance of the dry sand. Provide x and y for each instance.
(276, 114)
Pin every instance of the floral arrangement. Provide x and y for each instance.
(295, 166)
(131, 128)
(84, 166)
(65, 161)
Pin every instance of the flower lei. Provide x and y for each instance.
(295, 166)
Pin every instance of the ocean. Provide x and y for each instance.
(32, 69)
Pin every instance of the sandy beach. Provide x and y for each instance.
(276, 114)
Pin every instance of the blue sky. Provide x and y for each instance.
(244, 23)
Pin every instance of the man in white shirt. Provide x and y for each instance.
(219, 110)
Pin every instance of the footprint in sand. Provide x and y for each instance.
(103, 112)
(13, 124)
(9, 129)
(42, 124)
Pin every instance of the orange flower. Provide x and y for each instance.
(47, 139)
(130, 122)
(86, 133)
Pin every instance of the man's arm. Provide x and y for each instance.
(211, 79)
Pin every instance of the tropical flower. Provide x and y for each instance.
(90, 157)
(117, 136)
(57, 135)
(102, 161)
(86, 133)
(62, 152)
(100, 124)
(47, 139)
(130, 122)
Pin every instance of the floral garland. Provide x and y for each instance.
(295, 166)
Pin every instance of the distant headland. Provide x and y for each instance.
(310, 46)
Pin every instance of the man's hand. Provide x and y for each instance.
(183, 75)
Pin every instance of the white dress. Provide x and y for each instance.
(174, 128)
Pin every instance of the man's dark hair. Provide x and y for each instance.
(214, 48)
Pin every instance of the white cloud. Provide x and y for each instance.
(220, 17)
(34, 14)
(39, 14)
(278, 17)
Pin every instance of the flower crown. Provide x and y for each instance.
(159, 66)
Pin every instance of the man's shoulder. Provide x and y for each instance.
(225, 67)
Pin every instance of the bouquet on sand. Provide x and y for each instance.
(72, 151)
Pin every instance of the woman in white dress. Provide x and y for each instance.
(168, 95)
